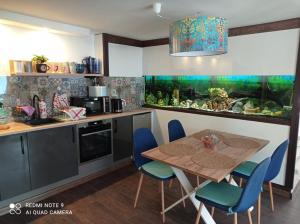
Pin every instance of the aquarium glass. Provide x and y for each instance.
(243, 94)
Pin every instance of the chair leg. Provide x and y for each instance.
(271, 196)
(199, 214)
(138, 190)
(249, 217)
(170, 183)
(259, 209)
(235, 218)
(163, 201)
(182, 194)
(241, 182)
(212, 211)
(198, 181)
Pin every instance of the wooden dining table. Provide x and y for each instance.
(213, 163)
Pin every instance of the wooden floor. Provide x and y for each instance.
(109, 199)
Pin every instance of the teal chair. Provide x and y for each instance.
(245, 169)
(144, 140)
(233, 199)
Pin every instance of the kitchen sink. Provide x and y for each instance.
(41, 121)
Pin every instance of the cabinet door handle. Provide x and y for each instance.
(115, 126)
(73, 135)
(22, 145)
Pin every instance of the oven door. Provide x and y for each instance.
(95, 142)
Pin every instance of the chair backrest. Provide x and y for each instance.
(176, 130)
(253, 187)
(276, 161)
(143, 140)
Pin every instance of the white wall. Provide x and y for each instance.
(18, 43)
(192, 123)
(125, 61)
(99, 49)
(268, 53)
(271, 53)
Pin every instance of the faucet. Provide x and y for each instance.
(35, 104)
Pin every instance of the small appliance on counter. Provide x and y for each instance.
(93, 105)
(97, 91)
(117, 105)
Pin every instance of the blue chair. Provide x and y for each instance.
(176, 132)
(234, 199)
(144, 140)
(245, 169)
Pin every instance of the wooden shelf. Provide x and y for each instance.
(70, 75)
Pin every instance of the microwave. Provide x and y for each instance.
(93, 105)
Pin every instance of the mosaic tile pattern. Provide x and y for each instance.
(20, 90)
(132, 90)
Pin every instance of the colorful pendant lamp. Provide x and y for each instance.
(199, 36)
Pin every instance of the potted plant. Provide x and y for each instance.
(40, 63)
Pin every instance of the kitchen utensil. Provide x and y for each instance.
(117, 105)
(97, 91)
(97, 66)
(43, 109)
(72, 67)
(27, 66)
(18, 66)
(53, 67)
(89, 62)
(63, 67)
(79, 68)
(42, 68)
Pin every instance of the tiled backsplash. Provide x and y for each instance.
(20, 90)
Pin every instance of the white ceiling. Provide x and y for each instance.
(135, 18)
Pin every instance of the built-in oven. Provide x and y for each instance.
(95, 140)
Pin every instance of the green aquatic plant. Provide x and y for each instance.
(217, 93)
(151, 99)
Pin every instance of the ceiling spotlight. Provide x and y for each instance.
(157, 7)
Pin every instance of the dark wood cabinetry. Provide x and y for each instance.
(40, 158)
(122, 138)
(14, 169)
(53, 155)
(123, 129)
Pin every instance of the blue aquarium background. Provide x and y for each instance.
(244, 94)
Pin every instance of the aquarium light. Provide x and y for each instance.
(199, 36)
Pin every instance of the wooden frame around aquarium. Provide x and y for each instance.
(259, 28)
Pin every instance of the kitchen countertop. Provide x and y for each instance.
(19, 127)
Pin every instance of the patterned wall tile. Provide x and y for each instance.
(20, 90)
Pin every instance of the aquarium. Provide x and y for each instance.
(238, 94)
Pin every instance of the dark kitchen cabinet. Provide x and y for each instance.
(53, 155)
(122, 138)
(14, 169)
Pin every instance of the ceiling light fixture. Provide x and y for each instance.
(199, 36)
(157, 7)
